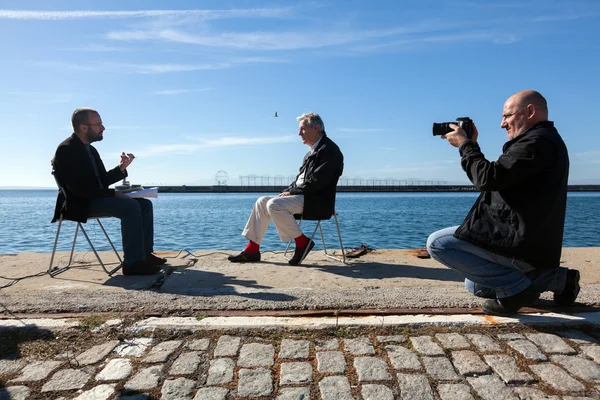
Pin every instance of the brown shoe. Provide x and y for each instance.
(423, 253)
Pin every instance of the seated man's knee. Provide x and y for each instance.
(145, 204)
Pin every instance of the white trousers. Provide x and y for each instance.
(279, 209)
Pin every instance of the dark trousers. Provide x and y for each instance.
(137, 224)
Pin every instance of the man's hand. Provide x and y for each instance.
(282, 194)
(458, 136)
(126, 159)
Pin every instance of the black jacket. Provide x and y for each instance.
(521, 211)
(322, 169)
(72, 168)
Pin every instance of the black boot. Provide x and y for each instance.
(510, 305)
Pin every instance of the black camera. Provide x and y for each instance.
(442, 128)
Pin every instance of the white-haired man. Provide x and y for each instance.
(312, 194)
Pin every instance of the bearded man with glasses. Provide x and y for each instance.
(78, 168)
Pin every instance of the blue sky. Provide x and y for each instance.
(191, 87)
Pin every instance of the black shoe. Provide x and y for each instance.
(140, 268)
(510, 305)
(155, 260)
(245, 257)
(571, 290)
(299, 252)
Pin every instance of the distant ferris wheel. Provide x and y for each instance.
(221, 178)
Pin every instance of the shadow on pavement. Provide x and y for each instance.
(373, 270)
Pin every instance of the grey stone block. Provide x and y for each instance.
(255, 382)
(592, 352)
(292, 373)
(415, 387)
(296, 393)
(426, 346)
(483, 343)
(527, 393)
(453, 341)
(371, 369)
(116, 369)
(557, 377)
(331, 361)
(510, 336)
(376, 392)
(505, 366)
(198, 345)
(133, 347)
(579, 366)
(454, 391)
(551, 343)
(36, 371)
(96, 353)
(294, 349)
(403, 358)
(489, 387)
(8, 367)
(186, 364)
(14, 393)
(440, 368)
(335, 388)
(359, 346)
(527, 349)
(391, 339)
(331, 344)
(216, 393)
(162, 351)
(100, 392)
(220, 371)
(468, 363)
(66, 379)
(177, 389)
(145, 379)
(256, 355)
(227, 346)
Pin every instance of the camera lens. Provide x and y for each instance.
(441, 128)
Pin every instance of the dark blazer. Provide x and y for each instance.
(322, 169)
(520, 213)
(72, 169)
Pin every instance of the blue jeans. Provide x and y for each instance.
(137, 224)
(488, 274)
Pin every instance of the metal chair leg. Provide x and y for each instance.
(112, 271)
(343, 259)
(55, 271)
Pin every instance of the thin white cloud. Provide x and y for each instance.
(275, 41)
(563, 17)
(180, 91)
(204, 14)
(201, 143)
(98, 48)
(124, 68)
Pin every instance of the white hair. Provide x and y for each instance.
(313, 119)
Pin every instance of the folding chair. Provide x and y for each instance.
(53, 271)
(300, 218)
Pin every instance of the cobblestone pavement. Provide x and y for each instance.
(514, 362)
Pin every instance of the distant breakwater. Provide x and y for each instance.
(348, 188)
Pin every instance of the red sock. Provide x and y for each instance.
(301, 241)
(252, 247)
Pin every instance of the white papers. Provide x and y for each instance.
(150, 192)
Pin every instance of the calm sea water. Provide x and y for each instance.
(214, 221)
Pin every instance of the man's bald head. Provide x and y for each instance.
(523, 110)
